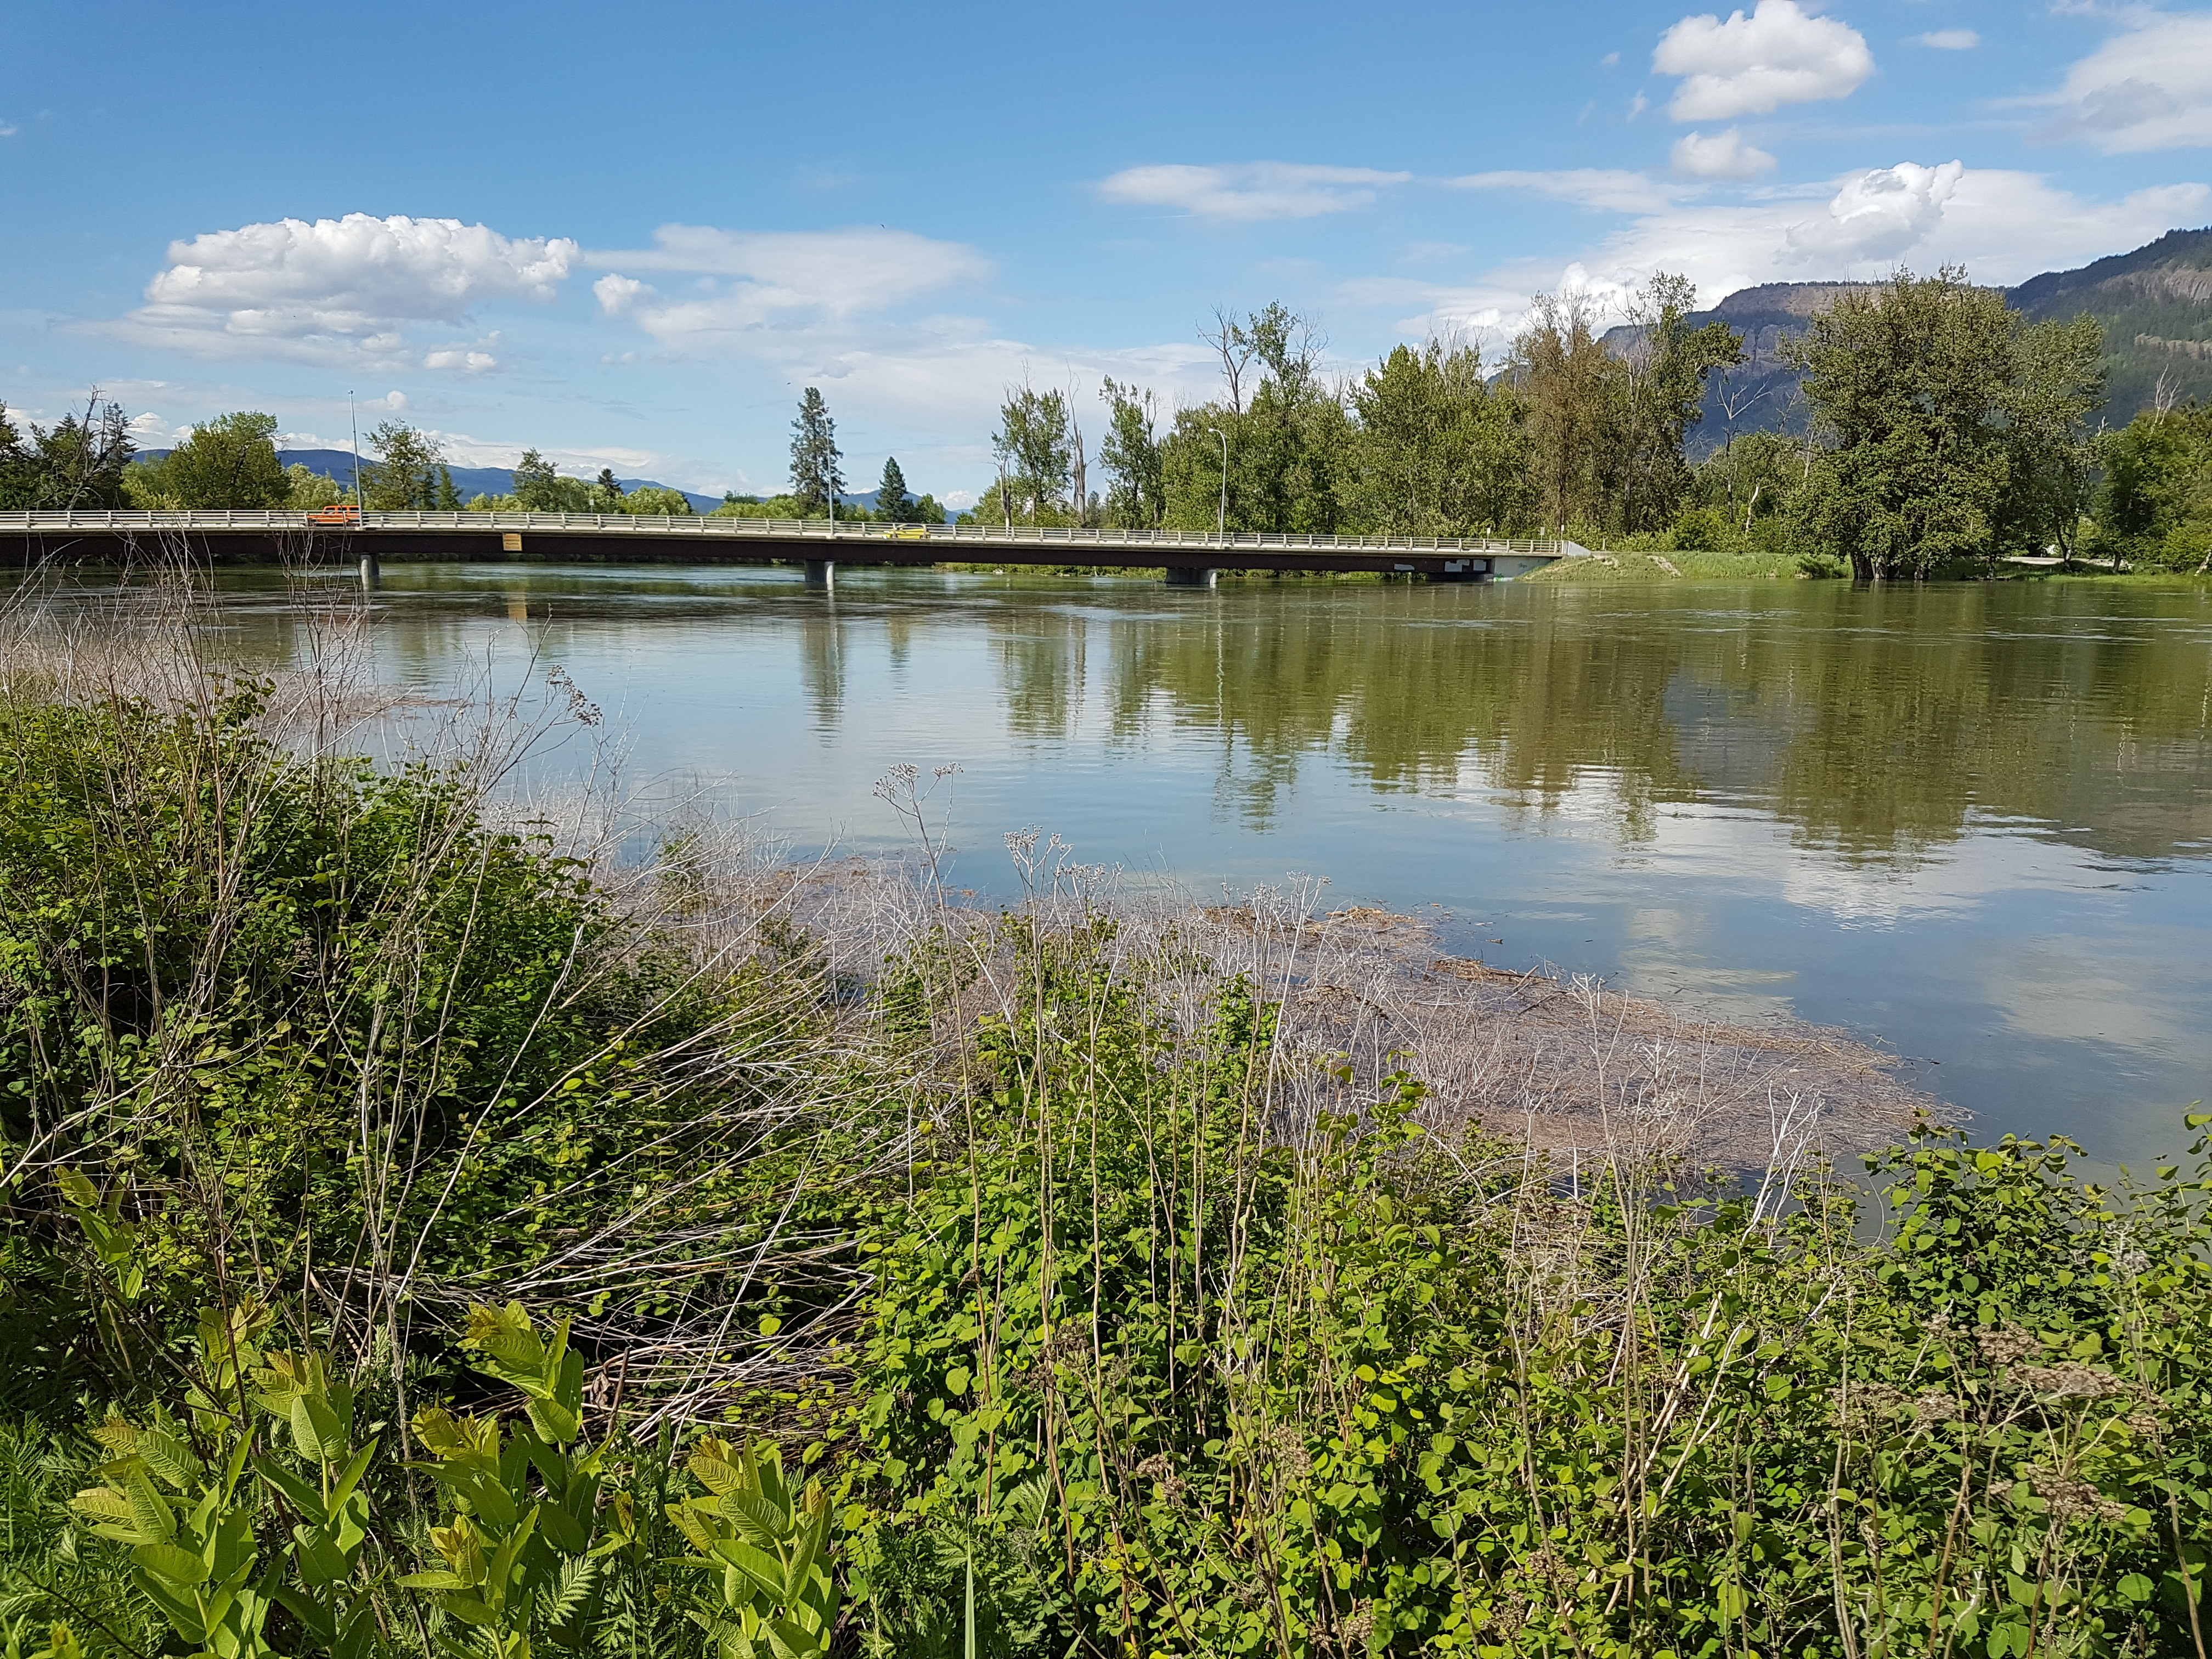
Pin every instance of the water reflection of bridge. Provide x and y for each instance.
(1189, 558)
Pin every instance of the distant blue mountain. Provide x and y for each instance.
(337, 464)
(468, 480)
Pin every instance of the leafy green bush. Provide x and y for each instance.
(1375, 1392)
(1074, 1337)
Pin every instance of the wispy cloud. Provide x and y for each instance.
(2150, 87)
(1948, 39)
(752, 278)
(1752, 65)
(1248, 189)
(1614, 189)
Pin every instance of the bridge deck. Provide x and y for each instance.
(272, 538)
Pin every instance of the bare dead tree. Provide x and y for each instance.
(1235, 347)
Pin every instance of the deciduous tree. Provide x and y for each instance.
(228, 462)
(1437, 452)
(1912, 385)
(1136, 497)
(404, 475)
(1664, 367)
(1035, 449)
(1570, 384)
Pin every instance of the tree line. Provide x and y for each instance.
(231, 461)
(1943, 431)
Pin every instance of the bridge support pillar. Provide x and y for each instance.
(370, 569)
(1185, 575)
(822, 572)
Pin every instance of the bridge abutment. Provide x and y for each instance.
(822, 572)
(1187, 576)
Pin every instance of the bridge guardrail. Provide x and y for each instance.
(712, 527)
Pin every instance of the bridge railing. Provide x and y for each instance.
(876, 537)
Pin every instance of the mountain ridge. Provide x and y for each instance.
(2154, 302)
(337, 465)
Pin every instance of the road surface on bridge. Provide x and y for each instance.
(260, 537)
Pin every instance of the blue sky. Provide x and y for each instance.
(630, 238)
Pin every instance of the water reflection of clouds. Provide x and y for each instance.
(1981, 836)
(2138, 990)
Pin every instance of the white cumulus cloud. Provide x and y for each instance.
(1779, 55)
(2150, 87)
(1723, 156)
(1250, 190)
(1877, 215)
(1948, 39)
(342, 290)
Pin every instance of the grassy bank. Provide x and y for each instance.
(1131, 1277)
(1618, 565)
(1614, 566)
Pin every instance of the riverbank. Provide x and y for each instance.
(1202, 1279)
(1618, 565)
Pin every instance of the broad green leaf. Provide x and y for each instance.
(76, 1189)
(169, 1458)
(299, 1494)
(756, 1518)
(556, 1421)
(561, 1530)
(764, 1572)
(315, 1430)
(168, 1561)
(149, 1514)
(351, 1476)
(717, 1476)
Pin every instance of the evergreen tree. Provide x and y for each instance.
(608, 493)
(79, 463)
(816, 477)
(890, 492)
(536, 485)
(449, 499)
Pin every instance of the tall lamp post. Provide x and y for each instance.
(353, 420)
(1221, 518)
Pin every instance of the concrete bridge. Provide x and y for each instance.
(340, 536)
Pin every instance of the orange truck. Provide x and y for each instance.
(336, 518)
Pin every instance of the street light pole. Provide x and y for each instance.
(353, 420)
(1221, 519)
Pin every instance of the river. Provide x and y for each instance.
(1971, 821)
